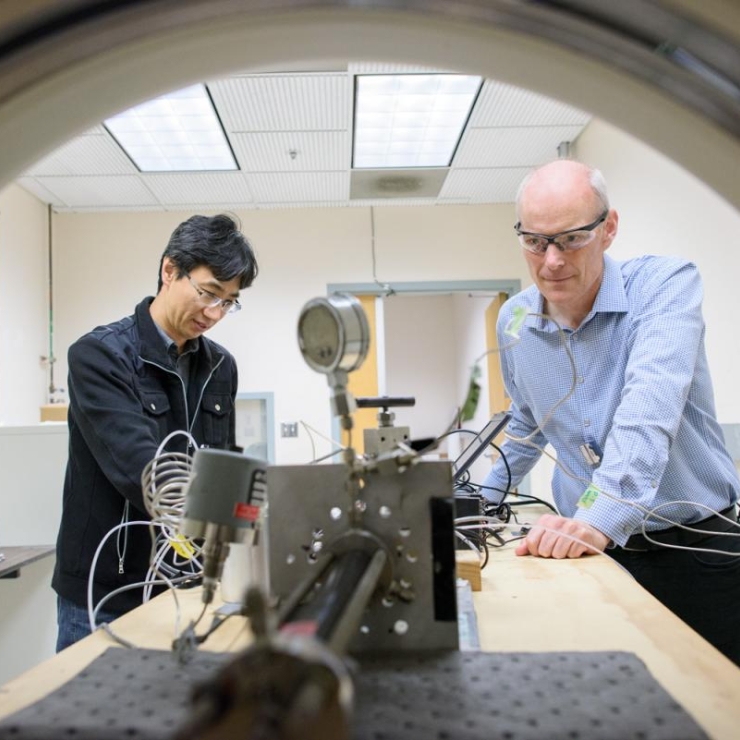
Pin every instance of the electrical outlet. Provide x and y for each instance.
(289, 429)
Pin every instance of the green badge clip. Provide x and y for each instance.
(517, 320)
(589, 496)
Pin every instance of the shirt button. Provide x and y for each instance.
(218, 407)
(587, 422)
(654, 483)
(152, 407)
(580, 378)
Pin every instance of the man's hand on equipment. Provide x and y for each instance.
(544, 539)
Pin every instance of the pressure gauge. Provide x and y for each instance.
(333, 333)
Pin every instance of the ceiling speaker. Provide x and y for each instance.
(421, 182)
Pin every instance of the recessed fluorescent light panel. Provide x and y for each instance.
(411, 120)
(176, 132)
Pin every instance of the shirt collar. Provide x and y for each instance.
(190, 346)
(611, 298)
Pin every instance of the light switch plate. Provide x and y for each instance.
(289, 429)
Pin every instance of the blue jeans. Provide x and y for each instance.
(73, 622)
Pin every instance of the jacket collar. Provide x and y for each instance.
(152, 346)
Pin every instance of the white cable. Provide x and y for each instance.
(648, 513)
(469, 543)
(309, 429)
(508, 525)
(164, 482)
(107, 628)
(573, 385)
(93, 565)
(643, 509)
(310, 439)
(176, 433)
(734, 523)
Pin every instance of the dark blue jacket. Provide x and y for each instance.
(125, 398)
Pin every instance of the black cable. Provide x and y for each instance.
(491, 488)
(533, 500)
(506, 465)
(454, 431)
(503, 511)
(534, 503)
(437, 440)
(215, 624)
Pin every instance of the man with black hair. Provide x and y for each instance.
(132, 383)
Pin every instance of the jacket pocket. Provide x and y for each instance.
(155, 403)
(216, 409)
(156, 406)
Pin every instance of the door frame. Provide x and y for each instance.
(508, 286)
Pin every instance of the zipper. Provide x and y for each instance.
(122, 552)
(203, 390)
(182, 385)
(189, 424)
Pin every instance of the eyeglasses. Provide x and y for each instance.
(570, 240)
(211, 300)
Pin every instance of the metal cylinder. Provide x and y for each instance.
(227, 489)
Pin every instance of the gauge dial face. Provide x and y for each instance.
(320, 336)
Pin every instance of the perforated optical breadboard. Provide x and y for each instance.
(143, 695)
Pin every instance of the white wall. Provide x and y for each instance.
(470, 330)
(419, 335)
(115, 257)
(32, 460)
(24, 379)
(104, 263)
(665, 210)
(432, 343)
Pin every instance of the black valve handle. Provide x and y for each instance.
(385, 402)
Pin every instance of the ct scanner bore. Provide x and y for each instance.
(672, 79)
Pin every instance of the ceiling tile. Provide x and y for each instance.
(109, 209)
(199, 187)
(504, 105)
(512, 147)
(100, 191)
(271, 152)
(383, 202)
(496, 185)
(301, 187)
(303, 204)
(34, 187)
(267, 116)
(422, 183)
(305, 102)
(209, 208)
(85, 155)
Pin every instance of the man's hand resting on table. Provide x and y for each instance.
(544, 540)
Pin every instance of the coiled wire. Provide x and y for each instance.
(164, 484)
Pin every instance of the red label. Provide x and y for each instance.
(246, 511)
(306, 628)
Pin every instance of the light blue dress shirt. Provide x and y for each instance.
(642, 397)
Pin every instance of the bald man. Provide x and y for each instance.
(609, 367)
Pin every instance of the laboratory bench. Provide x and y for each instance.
(526, 605)
(16, 557)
